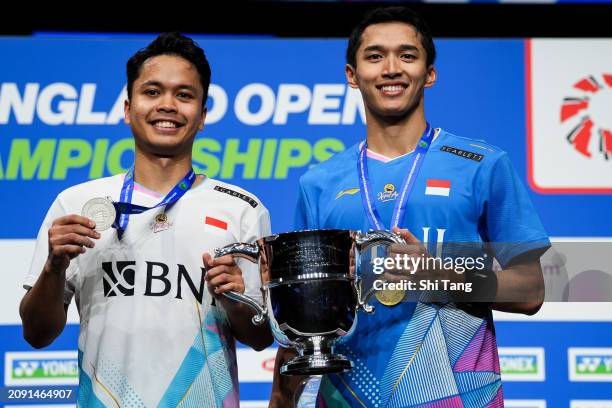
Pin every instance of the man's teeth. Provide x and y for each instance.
(165, 124)
(392, 88)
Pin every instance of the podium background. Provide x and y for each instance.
(61, 104)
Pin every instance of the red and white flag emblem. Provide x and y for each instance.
(437, 187)
(214, 222)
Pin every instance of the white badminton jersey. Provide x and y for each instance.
(150, 334)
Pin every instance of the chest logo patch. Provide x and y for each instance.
(350, 191)
(161, 223)
(389, 193)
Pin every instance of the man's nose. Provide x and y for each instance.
(392, 67)
(167, 103)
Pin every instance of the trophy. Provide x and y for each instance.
(311, 291)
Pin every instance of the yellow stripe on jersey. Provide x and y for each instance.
(350, 191)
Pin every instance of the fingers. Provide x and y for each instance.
(77, 237)
(406, 235)
(225, 260)
(69, 236)
(60, 256)
(222, 274)
(71, 251)
(229, 287)
(413, 246)
(224, 278)
(221, 269)
(417, 250)
(210, 262)
(78, 229)
(75, 219)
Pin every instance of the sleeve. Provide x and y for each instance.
(261, 227)
(303, 218)
(41, 252)
(511, 223)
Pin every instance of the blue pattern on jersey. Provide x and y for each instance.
(414, 354)
(202, 376)
(87, 397)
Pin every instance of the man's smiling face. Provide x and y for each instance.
(391, 69)
(166, 110)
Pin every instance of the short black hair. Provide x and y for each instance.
(388, 15)
(172, 43)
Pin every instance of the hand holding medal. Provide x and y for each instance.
(69, 236)
(413, 248)
(426, 273)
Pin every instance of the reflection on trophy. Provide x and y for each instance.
(311, 291)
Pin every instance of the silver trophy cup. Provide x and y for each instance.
(311, 291)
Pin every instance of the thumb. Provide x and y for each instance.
(406, 235)
(208, 260)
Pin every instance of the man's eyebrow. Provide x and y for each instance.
(150, 83)
(403, 47)
(408, 47)
(374, 47)
(179, 86)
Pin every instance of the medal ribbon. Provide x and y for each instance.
(125, 207)
(367, 197)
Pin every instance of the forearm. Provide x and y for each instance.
(243, 329)
(284, 387)
(42, 309)
(520, 289)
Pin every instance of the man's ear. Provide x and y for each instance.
(201, 124)
(351, 76)
(432, 76)
(126, 111)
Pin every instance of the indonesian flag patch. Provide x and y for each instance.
(215, 223)
(438, 187)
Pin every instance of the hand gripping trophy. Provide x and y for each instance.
(311, 291)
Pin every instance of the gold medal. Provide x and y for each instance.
(390, 297)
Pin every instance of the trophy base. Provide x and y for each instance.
(316, 364)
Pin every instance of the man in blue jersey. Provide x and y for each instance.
(433, 188)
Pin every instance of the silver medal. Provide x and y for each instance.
(101, 211)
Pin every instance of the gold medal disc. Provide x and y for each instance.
(390, 297)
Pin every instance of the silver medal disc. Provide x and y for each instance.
(101, 211)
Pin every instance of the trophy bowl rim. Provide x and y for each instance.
(305, 232)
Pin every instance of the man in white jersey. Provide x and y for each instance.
(150, 333)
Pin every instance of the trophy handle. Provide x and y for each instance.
(249, 252)
(364, 241)
(362, 302)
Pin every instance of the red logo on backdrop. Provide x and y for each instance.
(268, 364)
(592, 112)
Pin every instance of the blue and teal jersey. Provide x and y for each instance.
(419, 354)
